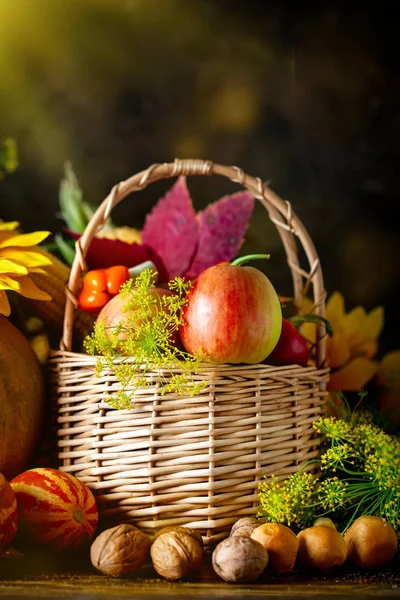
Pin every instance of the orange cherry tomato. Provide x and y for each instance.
(116, 276)
(99, 285)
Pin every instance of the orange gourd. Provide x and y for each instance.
(8, 515)
(22, 396)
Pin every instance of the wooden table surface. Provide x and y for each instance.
(74, 577)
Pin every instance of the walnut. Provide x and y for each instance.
(176, 552)
(186, 530)
(239, 559)
(244, 526)
(119, 550)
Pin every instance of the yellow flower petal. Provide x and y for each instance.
(8, 283)
(388, 373)
(26, 239)
(353, 376)
(4, 304)
(30, 290)
(25, 257)
(337, 350)
(37, 270)
(5, 235)
(9, 266)
(8, 226)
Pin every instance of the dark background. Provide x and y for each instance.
(305, 97)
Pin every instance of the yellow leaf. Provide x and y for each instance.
(353, 376)
(308, 330)
(30, 290)
(307, 305)
(9, 266)
(367, 349)
(26, 239)
(375, 322)
(335, 310)
(388, 373)
(337, 350)
(8, 226)
(123, 234)
(24, 257)
(4, 304)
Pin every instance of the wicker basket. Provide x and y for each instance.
(195, 461)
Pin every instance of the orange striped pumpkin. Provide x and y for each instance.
(56, 511)
(8, 515)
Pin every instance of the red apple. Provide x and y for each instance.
(291, 348)
(233, 315)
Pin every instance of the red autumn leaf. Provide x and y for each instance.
(103, 253)
(171, 229)
(222, 226)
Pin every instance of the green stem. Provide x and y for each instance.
(297, 320)
(242, 259)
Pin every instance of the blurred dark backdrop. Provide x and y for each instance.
(307, 98)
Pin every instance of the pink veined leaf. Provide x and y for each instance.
(171, 229)
(222, 226)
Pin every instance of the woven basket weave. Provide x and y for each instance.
(195, 461)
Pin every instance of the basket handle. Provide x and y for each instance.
(280, 212)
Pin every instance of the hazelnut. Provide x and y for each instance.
(281, 544)
(239, 559)
(324, 521)
(176, 552)
(244, 527)
(119, 550)
(372, 542)
(321, 548)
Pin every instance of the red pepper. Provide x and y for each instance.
(99, 285)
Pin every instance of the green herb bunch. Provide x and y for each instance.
(359, 474)
(141, 350)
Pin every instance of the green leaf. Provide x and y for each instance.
(65, 249)
(311, 318)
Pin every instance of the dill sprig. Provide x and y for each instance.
(142, 349)
(359, 474)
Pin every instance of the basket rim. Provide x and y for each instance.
(280, 213)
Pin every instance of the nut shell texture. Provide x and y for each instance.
(176, 553)
(244, 527)
(239, 559)
(120, 550)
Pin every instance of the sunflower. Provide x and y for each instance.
(19, 259)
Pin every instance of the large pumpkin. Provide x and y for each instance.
(8, 515)
(56, 511)
(21, 400)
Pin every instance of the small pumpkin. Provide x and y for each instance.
(56, 511)
(8, 515)
(22, 397)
